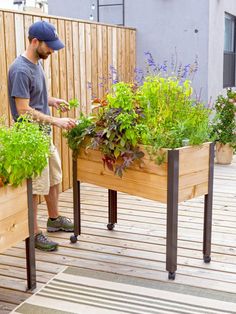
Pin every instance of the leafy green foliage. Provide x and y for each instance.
(170, 113)
(24, 149)
(115, 132)
(73, 103)
(77, 135)
(224, 123)
(160, 113)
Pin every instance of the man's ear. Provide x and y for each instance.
(35, 42)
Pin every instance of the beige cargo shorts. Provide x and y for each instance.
(50, 176)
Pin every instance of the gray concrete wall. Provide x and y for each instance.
(79, 9)
(173, 27)
(82, 9)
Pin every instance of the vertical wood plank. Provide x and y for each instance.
(127, 56)
(109, 57)
(10, 45)
(88, 66)
(19, 30)
(4, 106)
(123, 55)
(132, 53)
(10, 37)
(28, 20)
(119, 54)
(69, 63)
(76, 64)
(114, 55)
(82, 67)
(100, 60)
(94, 61)
(105, 60)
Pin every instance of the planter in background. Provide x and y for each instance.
(188, 173)
(224, 154)
(17, 223)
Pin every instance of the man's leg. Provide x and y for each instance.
(52, 201)
(41, 186)
(55, 221)
(41, 241)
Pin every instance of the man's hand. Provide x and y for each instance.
(22, 106)
(59, 104)
(64, 123)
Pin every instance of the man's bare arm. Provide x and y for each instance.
(22, 107)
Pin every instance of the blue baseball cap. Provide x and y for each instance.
(46, 32)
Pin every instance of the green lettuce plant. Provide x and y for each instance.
(24, 149)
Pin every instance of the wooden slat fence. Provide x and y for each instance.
(84, 69)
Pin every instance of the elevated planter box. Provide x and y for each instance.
(187, 173)
(16, 223)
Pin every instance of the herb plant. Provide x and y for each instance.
(73, 103)
(224, 123)
(170, 114)
(159, 113)
(24, 149)
(116, 134)
(76, 136)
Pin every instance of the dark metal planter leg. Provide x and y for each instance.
(29, 242)
(172, 213)
(112, 209)
(208, 200)
(76, 204)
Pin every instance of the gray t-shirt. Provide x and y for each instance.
(27, 80)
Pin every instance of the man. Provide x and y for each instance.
(28, 94)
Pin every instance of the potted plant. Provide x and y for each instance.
(136, 143)
(24, 149)
(224, 127)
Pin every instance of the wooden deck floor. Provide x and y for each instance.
(136, 247)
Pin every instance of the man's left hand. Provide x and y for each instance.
(59, 104)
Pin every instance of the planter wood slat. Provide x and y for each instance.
(187, 173)
(17, 223)
(150, 180)
(13, 215)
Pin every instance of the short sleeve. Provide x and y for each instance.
(20, 85)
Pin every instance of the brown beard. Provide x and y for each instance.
(42, 55)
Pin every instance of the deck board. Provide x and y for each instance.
(136, 247)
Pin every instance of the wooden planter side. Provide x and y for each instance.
(13, 215)
(193, 171)
(150, 180)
